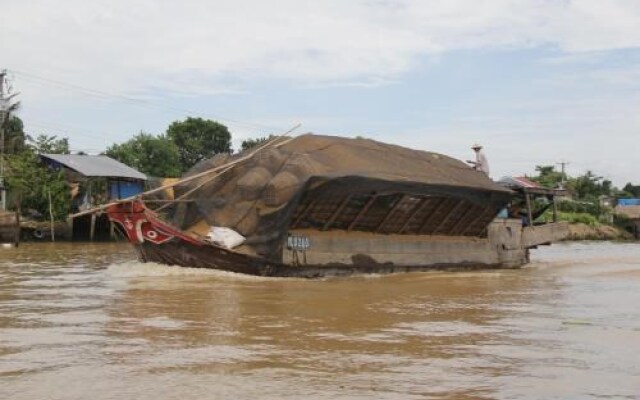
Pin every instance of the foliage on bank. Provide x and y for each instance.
(592, 197)
(35, 190)
(169, 155)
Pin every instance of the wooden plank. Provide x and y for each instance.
(389, 214)
(419, 207)
(476, 220)
(448, 216)
(303, 213)
(337, 212)
(441, 205)
(463, 219)
(362, 212)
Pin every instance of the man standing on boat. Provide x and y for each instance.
(481, 163)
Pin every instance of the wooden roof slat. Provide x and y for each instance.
(387, 217)
(431, 218)
(451, 212)
(464, 218)
(362, 211)
(418, 208)
(479, 218)
(337, 212)
(304, 212)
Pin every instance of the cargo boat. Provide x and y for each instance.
(315, 206)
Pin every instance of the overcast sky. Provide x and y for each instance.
(534, 81)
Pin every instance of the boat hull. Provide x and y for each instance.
(316, 254)
(187, 255)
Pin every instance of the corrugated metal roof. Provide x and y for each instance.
(519, 181)
(96, 166)
(629, 202)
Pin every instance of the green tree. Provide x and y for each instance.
(44, 144)
(30, 183)
(154, 155)
(14, 136)
(548, 176)
(250, 143)
(630, 190)
(590, 186)
(198, 139)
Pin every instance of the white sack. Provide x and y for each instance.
(225, 237)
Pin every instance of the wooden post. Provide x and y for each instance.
(527, 196)
(555, 209)
(51, 224)
(92, 230)
(16, 240)
(70, 220)
(112, 230)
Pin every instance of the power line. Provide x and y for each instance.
(7, 106)
(62, 129)
(141, 102)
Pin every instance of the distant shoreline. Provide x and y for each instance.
(580, 231)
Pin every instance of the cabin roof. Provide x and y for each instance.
(95, 166)
(523, 184)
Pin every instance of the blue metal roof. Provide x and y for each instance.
(95, 166)
(629, 202)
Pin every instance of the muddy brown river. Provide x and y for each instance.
(89, 322)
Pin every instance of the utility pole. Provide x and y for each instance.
(6, 107)
(3, 192)
(563, 164)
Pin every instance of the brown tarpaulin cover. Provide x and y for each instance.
(258, 197)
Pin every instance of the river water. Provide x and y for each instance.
(89, 322)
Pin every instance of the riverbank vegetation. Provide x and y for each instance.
(35, 190)
(589, 207)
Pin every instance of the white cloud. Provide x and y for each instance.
(145, 48)
(197, 46)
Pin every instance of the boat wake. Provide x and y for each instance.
(137, 269)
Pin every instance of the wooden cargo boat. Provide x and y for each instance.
(315, 206)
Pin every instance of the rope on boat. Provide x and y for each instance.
(224, 168)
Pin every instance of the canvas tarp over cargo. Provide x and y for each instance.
(325, 182)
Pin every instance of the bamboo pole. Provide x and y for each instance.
(182, 196)
(208, 180)
(190, 178)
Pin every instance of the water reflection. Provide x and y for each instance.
(79, 321)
